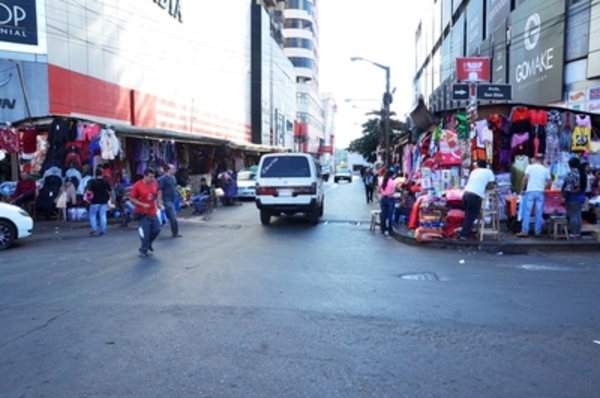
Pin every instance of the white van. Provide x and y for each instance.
(289, 183)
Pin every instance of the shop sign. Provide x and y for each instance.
(473, 69)
(536, 55)
(593, 93)
(18, 22)
(593, 107)
(172, 6)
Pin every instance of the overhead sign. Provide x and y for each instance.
(494, 92)
(473, 69)
(460, 92)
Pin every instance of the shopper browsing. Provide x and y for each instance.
(536, 180)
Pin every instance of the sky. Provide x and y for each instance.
(381, 31)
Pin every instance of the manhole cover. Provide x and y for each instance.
(420, 276)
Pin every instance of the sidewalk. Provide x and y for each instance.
(507, 244)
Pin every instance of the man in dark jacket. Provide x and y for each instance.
(168, 187)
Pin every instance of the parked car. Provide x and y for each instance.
(15, 223)
(246, 182)
(289, 183)
(342, 174)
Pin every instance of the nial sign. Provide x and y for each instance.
(172, 6)
(473, 69)
(18, 22)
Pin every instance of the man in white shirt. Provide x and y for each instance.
(480, 179)
(536, 180)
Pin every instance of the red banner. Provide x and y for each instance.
(473, 69)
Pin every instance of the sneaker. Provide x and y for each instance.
(177, 236)
(462, 238)
(150, 249)
(574, 236)
(102, 233)
(538, 235)
(144, 254)
(522, 235)
(93, 233)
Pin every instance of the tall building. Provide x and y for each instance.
(301, 32)
(547, 50)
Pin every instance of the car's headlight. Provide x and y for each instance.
(23, 213)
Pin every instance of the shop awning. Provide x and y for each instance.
(126, 130)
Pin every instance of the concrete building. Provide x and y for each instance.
(547, 50)
(301, 32)
(146, 63)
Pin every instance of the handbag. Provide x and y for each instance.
(111, 205)
(88, 196)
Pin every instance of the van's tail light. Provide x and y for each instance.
(312, 190)
(265, 191)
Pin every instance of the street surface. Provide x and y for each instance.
(236, 309)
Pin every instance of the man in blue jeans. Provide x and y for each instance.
(480, 179)
(101, 192)
(536, 180)
(168, 187)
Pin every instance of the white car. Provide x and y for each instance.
(246, 184)
(15, 223)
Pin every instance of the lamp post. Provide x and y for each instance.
(387, 100)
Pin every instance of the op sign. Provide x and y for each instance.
(473, 69)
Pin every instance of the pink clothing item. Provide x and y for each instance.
(583, 121)
(389, 189)
(91, 131)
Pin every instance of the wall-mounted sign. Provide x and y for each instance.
(18, 22)
(173, 7)
(536, 53)
(473, 69)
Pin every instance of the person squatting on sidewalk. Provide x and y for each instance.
(168, 188)
(145, 196)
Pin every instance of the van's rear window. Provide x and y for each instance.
(285, 166)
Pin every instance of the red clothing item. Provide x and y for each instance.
(24, 187)
(538, 117)
(145, 193)
(520, 113)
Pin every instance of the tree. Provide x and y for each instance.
(372, 137)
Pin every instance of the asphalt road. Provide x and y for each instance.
(236, 309)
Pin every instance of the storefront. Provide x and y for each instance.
(506, 137)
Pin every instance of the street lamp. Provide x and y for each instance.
(387, 100)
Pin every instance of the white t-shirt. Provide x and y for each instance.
(478, 180)
(537, 175)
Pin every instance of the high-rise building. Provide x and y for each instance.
(301, 33)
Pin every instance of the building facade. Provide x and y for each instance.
(301, 32)
(547, 50)
(168, 64)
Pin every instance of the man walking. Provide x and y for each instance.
(536, 180)
(144, 196)
(369, 181)
(480, 179)
(168, 188)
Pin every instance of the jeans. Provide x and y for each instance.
(472, 204)
(574, 213)
(198, 202)
(531, 199)
(172, 216)
(24, 198)
(148, 229)
(369, 191)
(387, 214)
(96, 210)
